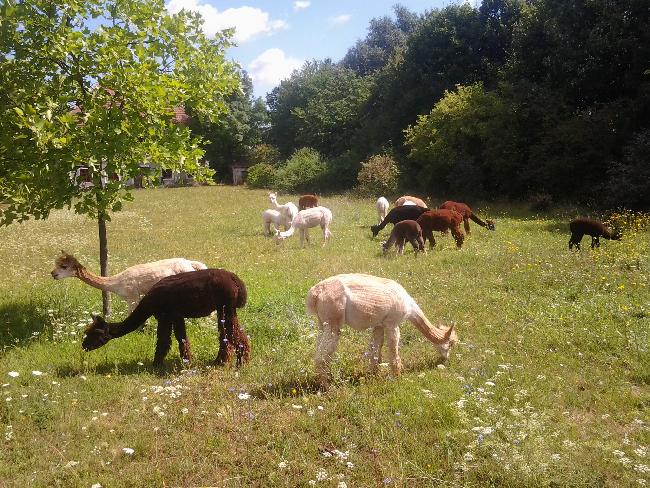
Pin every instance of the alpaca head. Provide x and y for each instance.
(450, 340)
(273, 197)
(278, 238)
(489, 224)
(97, 334)
(613, 234)
(65, 266)
(375, 230)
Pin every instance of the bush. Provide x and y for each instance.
(304, 171)
(264, 153)
(378, 176)
(342, 172)
(261, 176)
(629, 179)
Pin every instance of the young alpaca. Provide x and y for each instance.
(406, 230)
(368, 302)
(310, 217)
(467, 214)
(397, 214)
(175, 298)
(409, 200)
(270, 216)
(307, 201)
(442, 221)
(288, 210)
(382, 206)
(594, 228)
(130, 284)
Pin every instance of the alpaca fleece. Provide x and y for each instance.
(441, 221)
(307, 201)
(467, 214)
(397, 214)
(175, 298)
(594, 228)
(406, 230)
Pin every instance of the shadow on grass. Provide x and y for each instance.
(19, 321)
(124, 368)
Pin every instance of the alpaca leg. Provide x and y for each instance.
(327, 344)
(414, 242)
(466, 224)
(307, 235)
(575, 240)
(458, 235)
(163, 340)
(267, 228)
(420, 242)
(180, 332)
(432, 241)
(595, 242)
(400, 246)
(392, 340)
(374, 348)
(223, 338)
(242, 343)
(302, 238)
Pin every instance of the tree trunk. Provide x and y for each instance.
(103, 262)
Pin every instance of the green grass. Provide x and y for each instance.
(548, 387)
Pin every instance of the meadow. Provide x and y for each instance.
(549, 385)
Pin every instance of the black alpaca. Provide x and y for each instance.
(175, 298)
(406, 230)
(594, 228)
(397, 214)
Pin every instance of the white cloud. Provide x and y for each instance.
(340, 19)
(271, 67)
(248, 22)
(301, 4)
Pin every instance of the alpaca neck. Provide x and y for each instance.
(135, 319)
(290, 232)
(434, 334)
(105, 283)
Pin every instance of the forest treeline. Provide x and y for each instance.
(517, 99)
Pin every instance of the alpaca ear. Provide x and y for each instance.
(449, 332)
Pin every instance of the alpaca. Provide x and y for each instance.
(406, 230)
(270, 216)
(175, 298)
(132, 283)
(467, 214)
(363, 301)
(310, 217)
(307, 201)
(382, 208)
(397, 214)
(442, 221)
(288, 210)
(594, 228)
(409, 200)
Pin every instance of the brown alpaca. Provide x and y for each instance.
(175, 298)
(408, 200)
(467, 214)
(441, 221)
(406, 230)
(307, 201)
(397, 214)
(594, 228)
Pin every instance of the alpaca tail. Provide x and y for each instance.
(197, 265)
(242, 295)
(435, 335)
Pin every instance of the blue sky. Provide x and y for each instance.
(276, 36)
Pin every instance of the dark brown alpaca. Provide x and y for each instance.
(406, 230)
(397, 214)
(175, 298)
(442, 221)
(307, 201)
(594, 228)
(467, 214)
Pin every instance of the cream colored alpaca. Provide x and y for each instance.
(382, 208)
(270, 216)
(409, 200)
(288, 210)
(310, 217)
(132, 283)
(368, 302)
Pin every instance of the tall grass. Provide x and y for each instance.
(549, 385)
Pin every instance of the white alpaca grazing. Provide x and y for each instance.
(382, 208)
(132, 283)
(368, 302)
(288, 210)
(310, 217)
(274, 217)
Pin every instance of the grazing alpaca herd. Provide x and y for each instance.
(172, 290)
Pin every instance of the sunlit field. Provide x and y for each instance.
(549, 385)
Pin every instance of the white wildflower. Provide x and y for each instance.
(282, 464)
(297, 407)
(96, 485)
(128, 451)
(37, 373)
(489, 383)
(13, 374)
(321, 475)
(185, 411)
(555, 457)
(244, 396)
(71, 464)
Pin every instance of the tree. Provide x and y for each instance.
(95, 83)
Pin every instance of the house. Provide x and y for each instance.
(239, 172)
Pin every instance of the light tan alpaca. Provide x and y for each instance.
(132, 283)
(409, 200)
(288, 210)
(310, 217)
(368, 302)
(382, 208)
